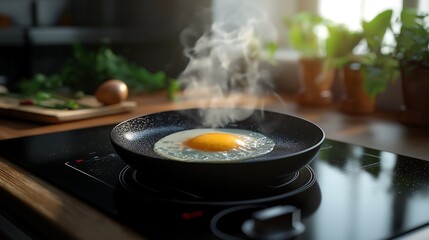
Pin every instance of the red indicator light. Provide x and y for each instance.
(192, 215)
(79, 161)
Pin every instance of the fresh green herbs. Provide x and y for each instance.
(49, 100)
(86, 70)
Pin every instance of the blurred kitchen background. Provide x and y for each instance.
(36, 35)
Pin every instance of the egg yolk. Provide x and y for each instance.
(215, 142)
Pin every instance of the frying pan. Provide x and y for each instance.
(297, 141)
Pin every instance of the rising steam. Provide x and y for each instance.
(226, 62)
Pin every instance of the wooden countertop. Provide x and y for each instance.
(62, 214)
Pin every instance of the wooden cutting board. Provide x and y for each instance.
(9, 106)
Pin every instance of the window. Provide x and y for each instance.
(351, 13)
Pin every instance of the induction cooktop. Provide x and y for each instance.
(347, 192)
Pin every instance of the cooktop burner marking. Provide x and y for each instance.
(89, 175)
(371, 155)
(125, 179)
(215, 220)
(296, 175)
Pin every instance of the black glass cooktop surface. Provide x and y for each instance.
(347, 192)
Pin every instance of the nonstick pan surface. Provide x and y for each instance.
(297, 141)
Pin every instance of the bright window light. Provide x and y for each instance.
(339, 11)
(362, 10)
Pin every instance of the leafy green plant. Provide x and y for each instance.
(303, 36)
(86, 70)
(378, 68)
(336, 49)
(340, 44)
(412, 41)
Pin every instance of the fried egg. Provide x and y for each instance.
(213, 145)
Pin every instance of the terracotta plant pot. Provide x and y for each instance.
(315, 85)
(355, 99)
(415, 89)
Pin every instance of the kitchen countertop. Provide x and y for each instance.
(63, 214)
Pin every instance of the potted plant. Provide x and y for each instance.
(365, 76)
(339, 51)
(315, 78)
(412, 52)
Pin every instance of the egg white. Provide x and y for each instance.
(172, 146)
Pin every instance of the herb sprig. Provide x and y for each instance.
(86, 70)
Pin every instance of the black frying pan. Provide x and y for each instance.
(297, 142)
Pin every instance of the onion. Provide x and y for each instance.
(112, 92)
